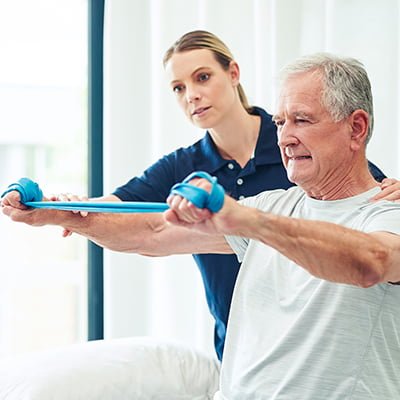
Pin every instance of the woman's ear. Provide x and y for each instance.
(234, 72)
(359, 122)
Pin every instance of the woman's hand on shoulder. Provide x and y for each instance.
(390, 190)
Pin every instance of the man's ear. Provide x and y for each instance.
(359, 122)
(234, 72)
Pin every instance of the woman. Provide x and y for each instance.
(239, 148)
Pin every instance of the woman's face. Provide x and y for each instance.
(204, 90)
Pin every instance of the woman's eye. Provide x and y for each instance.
(177, 88)
(204, 77)
(279, 123)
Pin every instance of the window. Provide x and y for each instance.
(43, 135)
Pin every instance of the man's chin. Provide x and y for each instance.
(298, 179)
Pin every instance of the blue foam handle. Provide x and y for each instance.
(28, 190)
(198, 196)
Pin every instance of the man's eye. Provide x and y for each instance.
(279, 123)
(301, 121)
(204, 77)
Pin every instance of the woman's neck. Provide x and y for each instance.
(236, 138)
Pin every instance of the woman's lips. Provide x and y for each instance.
(199, 111)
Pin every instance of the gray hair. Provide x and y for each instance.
(346, 84)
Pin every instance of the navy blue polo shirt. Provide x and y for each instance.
(264, 171)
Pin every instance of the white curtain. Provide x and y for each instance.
(164, 297)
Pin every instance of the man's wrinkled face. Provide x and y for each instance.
(313, 146)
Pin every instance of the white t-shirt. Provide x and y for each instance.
(294, 336)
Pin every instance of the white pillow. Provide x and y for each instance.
(138, 368)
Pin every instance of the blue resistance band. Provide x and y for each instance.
(103, 207)
(31, 196)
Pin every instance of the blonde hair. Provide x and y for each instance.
(206, 40)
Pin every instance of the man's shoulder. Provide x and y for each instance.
(381, 216)
(280, 201)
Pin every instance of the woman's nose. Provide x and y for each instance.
(192, 94)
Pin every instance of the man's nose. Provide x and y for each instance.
(286, 136)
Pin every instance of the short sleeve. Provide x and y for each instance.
(153, 185)
(238, 245)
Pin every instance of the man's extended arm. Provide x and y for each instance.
(328, 251)
(146, 234)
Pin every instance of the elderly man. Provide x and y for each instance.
(314, 313)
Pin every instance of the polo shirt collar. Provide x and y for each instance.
(212, 160)
(267, 150)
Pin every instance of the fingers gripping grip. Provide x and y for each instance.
(198, 196)
(28, 190)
